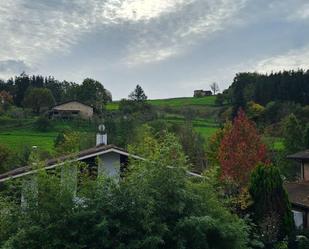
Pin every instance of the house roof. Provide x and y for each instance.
(300, 155)
(298, 193)
(52, 163)
(69, 101)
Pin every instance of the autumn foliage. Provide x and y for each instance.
(240, 151)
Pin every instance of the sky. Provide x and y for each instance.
(169, 47)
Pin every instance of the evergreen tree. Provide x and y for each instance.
(138, 94)
(306, 137)
(271, 208)
(293, 134)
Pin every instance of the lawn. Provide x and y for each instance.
(174, 102)
(24, 135)
(16, 139)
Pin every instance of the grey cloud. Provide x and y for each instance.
(12, 67)
(163, 44)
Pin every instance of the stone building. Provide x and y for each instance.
(71, 109)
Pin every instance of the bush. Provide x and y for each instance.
(43, 124)
(5, 154)
(303, 243)
(161, 209)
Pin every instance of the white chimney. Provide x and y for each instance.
(101, 136)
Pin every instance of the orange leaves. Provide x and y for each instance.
(241, 149)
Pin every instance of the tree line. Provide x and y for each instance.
(35, 91)
(286, 86)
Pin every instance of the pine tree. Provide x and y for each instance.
(271, 207)
(138, 94)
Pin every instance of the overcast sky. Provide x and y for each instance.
(170, 47)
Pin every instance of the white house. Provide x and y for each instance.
(111, 160)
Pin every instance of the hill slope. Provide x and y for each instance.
(173, 102)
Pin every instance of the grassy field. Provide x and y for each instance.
(16, 137)
(275, 143)
(174, 102)
(206, 127)
(180, 102)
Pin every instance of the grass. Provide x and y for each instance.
(206, 127)
(113, 106)
(18, 134)
(180, 102)
(16, 137)
(173, 102)
(275, 143)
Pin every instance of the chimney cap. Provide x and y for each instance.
(101, 127)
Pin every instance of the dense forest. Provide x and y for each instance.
(90, 91)
(286, 86)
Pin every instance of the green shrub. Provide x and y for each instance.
(43, 124)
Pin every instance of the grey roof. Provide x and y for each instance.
(69, 101)
(298, 193)
(300, 155)
(78, 156)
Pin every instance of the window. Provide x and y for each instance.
(298, 218)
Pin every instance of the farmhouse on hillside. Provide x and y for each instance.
(299, 191)
(71, 109)
(202, 93)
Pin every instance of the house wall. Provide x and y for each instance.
(85, 111)
(202, 93)
(109, 164)
(306, 170)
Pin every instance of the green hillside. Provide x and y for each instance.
(16, 135)
(174, 102)
(206, 127)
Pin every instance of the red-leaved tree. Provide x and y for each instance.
(240, 151)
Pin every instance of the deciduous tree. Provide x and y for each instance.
(37, 98)
(293, 134)
(214, 87)
(241, 150)
(6, 100)
(155, 206)
(93, 93)
(213, 147)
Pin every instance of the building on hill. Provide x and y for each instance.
(202, 93)
(71, 109)
(299, 191)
